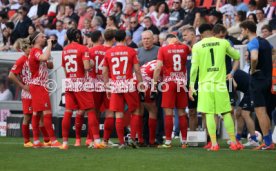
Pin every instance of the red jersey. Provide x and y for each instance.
(73, 56)
(147, 70)
(39, 70)
(120, 61)
(97, 54)
(174, 57)
(21, 68)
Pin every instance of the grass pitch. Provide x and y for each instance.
(13, 157)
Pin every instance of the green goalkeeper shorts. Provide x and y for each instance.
(213, 98)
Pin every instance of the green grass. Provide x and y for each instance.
(13, 157)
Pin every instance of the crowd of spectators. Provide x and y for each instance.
(20, 18)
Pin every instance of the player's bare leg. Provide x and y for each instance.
(151, 107)
(26, 130)
(193, 121)
(108, 125)
(251, 128)
(168, 128)
(264, 122)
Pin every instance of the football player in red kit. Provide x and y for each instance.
(21, 68)
(97, 53)
(173, 59)
(120, 61)
(38, 87)
(76, 62)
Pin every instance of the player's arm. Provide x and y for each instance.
(87, 65)
(235, 55)
(13, 77)
(50, 64)
(138, 74)
(47, 53)
(157, 71)
(193, 72)
(254, 60)
(86, 60)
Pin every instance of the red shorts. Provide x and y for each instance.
(27, 106)
(117, 101)
(79, 100)
(101, 101)
(173, 98)
(40, 98)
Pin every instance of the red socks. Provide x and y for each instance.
(78, 126)
(152, 130)
(134, 124)
(26, 133)
(108, 128)
(168, 126)
(140, 129)
(120, 130)
(44, 133)
(183, 126)
(93, 124)
(48, 125)
(66, 122)
(35, 126)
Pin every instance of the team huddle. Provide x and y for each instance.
(107, 78)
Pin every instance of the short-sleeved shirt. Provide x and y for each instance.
(264, 49)
(97, 54)
(39, 70)
(120, 61)
(176, 16)
(73, 56)
(21, 68)
(209, 56)
(174, 57)
(145, 55)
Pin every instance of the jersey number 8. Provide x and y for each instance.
(176, 62)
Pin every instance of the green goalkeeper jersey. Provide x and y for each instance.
(208, 56)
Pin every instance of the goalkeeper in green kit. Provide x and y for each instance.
(208, 60)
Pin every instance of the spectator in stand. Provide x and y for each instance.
(111, 23)
(272, 24)
(60, 12)
(22, 26)
(241, 6)
(81, 13)
(69, 12)
(38, 10)
(129, 41)
(6, 40)
(160, 17)
(192, 15)
(261, 21)
(139, 11)
(162, 39)
(32, 14)
(31, 30)
(176, 16)
(136, 30)
(252, 7)
(235, 29)
(117, 12)
(228, 10)
(87, 26)
(5, 93)
(252, 17)
(96, 24)
(269, 10)
(266, 31)
(261, 4)
(215, 17)
(148, 25)
(53, 7)
(56, 46)
(60, 32)
(66, 23)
